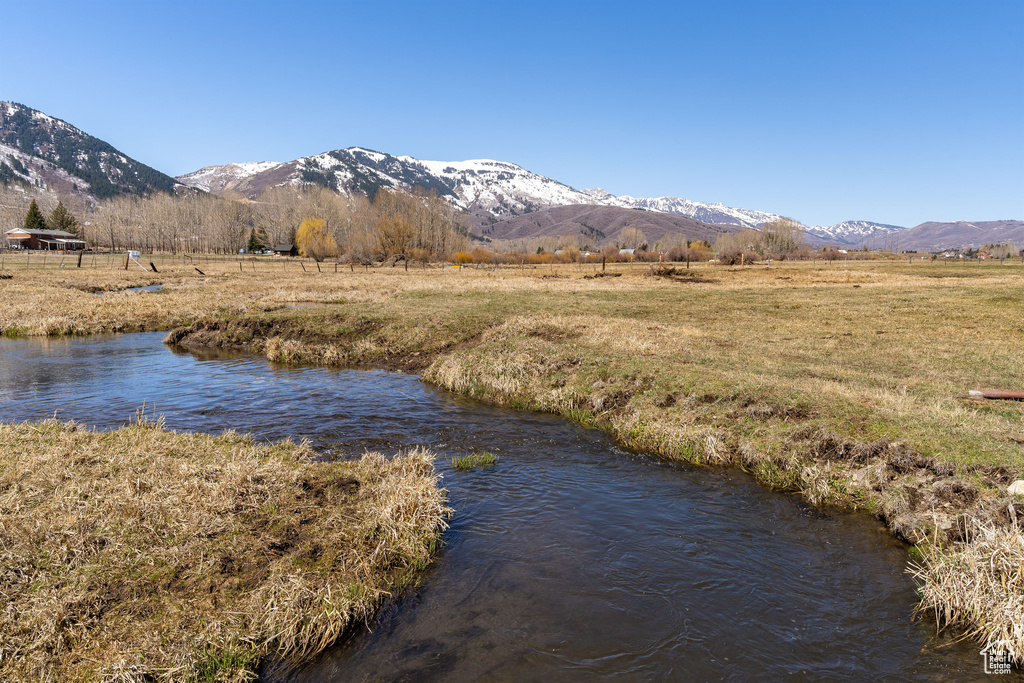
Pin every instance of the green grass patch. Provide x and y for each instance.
(474, 461)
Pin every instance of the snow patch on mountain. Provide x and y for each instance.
(855, 232)
(707, 213)
(500, 187)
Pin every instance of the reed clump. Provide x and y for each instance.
(474, 461)
(144, 554)
(978, 586)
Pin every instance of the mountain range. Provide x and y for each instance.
(504, 201)
(508, 202)
(489, 190)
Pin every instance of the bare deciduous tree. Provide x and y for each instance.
(632, 238)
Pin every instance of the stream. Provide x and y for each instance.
(570, 559)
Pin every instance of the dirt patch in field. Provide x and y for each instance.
(679, 274)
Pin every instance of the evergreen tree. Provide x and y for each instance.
(258, 240)
(62, 219)
(34, 219)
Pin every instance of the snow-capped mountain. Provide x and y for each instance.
(45, 152)
(855, 233)
(490, 190)
(478, 185)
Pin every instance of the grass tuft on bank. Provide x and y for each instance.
(146, 554)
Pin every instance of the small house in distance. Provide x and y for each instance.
(285, 250)
(49, 240)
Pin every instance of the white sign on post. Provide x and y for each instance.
(134, 254)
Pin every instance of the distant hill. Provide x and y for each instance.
(933, 236)
(600, 224)
(42, 151)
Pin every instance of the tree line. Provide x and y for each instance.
(411, 224)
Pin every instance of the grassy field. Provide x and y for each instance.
(846, 381)
(143, 554)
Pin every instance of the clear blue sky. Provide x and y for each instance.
(892, 111)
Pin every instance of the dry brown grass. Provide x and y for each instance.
(145, 554)
(978, 586)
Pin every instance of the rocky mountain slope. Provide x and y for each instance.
(45, 152)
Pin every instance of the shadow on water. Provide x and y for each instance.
(570, 559)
